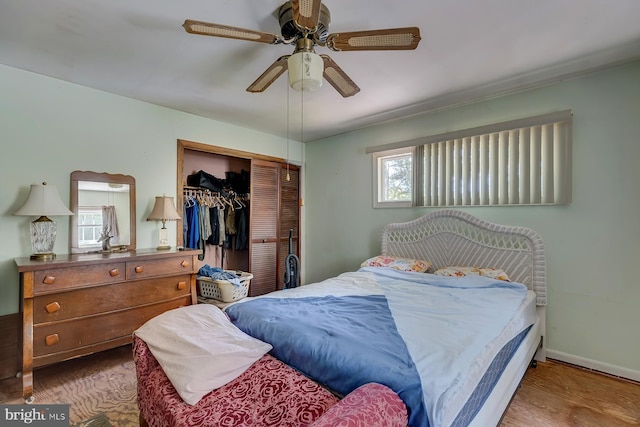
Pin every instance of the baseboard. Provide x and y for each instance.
(595, 365)
(10, 354)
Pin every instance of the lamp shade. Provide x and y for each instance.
(305, 71)
(164, 210)
(43, 200)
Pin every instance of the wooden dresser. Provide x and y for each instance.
(80, 304)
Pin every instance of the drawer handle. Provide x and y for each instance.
(185, 263)
(52, 307)
(52, 339)
(115, 272)
(48, 280)
(139, 269)
(182, 285)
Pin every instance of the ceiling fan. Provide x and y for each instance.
(305, 24)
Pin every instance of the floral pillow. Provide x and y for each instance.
(493, 273)
(397, 263)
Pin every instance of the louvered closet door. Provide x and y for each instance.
(289, 216)
(264, 226)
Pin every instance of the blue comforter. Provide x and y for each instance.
(416, 333)
(316, 334)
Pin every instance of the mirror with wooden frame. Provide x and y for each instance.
(103, 204)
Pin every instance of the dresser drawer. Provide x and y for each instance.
(102, 299)
(67, 335)
(57, 279)
(159, 267)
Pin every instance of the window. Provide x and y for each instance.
(521, 162)
(394, 175)
(89, 226)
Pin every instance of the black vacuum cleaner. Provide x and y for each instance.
(292, 266)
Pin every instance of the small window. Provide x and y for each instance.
(393, 176)
(89, 226)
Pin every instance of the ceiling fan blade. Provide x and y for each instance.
(306, 13)
(338, 78)
(270, 75)
(389, 39)
(217, 30)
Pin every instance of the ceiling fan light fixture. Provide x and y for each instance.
(305, 71)
(305, 23)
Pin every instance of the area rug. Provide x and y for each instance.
(100, 420)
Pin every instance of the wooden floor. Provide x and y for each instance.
(557, 394)
(553, 394)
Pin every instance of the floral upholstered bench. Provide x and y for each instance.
(266, 393)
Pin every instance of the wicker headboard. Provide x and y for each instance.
(455, 238)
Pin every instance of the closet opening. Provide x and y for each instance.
(248, 223)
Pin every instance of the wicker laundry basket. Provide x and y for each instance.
(223, 290)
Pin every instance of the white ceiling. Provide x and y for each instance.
(470, 49)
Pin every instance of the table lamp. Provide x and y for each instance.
(164, 210)
(43, 201)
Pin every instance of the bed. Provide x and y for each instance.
(453, 348)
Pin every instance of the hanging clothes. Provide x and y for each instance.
(185, 224)
(215, 219)
(242, 235)
(214, 222)
(222, 235)
(193, 224)
(230, 222)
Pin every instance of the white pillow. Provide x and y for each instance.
(199, 349)
(494, 273)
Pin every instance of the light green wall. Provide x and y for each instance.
(592, 245)
(49, 128)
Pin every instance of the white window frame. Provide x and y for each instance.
(379, 181)
(516, 163)
(97, 228)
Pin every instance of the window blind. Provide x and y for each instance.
(529, 164)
